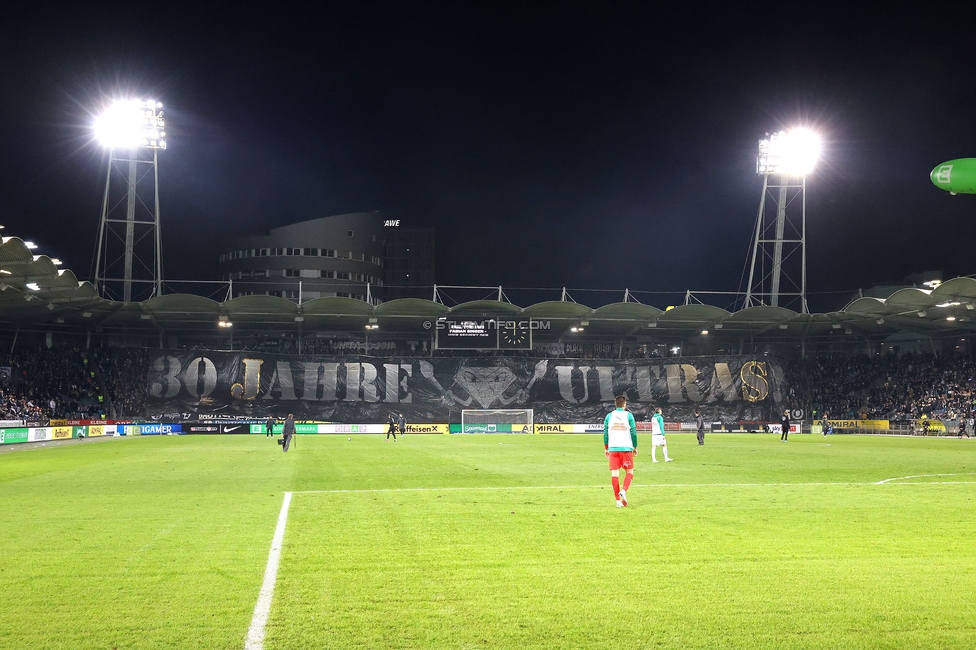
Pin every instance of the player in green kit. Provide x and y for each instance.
(620, 446)
(658, 438)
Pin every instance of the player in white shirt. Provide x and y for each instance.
(620, 446)
(658, 439)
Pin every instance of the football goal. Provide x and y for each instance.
(496, 421)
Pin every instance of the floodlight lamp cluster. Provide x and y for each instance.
(788, 153)
(132, 124)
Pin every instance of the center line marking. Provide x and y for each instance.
(255, 633)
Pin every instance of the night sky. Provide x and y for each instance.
(559, 144)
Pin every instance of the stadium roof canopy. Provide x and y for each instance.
(35, 294)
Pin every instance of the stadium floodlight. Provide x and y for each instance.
(131, 124)
(790, 153)
(32, 286)
(133, 132)
(784, 161)
(30, 245)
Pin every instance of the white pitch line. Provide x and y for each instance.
(905, 478)
(641, 485)
(255, 633)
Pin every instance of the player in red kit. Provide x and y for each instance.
(620, 446)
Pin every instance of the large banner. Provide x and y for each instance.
(190, 385)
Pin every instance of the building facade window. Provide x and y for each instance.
(357, 243)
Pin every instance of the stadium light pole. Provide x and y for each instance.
(787, 156)
(133, 132)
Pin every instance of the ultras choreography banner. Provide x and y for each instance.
(367, 389)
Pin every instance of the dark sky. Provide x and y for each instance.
(550, 144)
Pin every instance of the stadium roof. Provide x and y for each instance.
(34, 293)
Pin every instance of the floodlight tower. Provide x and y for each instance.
(133, 132)
(785, 159)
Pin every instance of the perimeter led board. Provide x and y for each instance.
(483, 333)
(467, 334)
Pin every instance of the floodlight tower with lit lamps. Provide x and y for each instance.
(788, 157)
(133, 132)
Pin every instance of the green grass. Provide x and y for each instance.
(491, 541)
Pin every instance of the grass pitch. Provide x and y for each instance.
(491, 541)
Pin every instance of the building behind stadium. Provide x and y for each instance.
(360, 255)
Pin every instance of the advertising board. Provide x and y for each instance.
(568, 428)
(860, 424)
(234, 428)
(428, 428)
(495, 428)
(13, 434)
(202, 428)
(352, 428)
(160, 429)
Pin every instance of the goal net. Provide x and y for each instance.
(496, 421)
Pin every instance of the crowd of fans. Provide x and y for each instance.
(887, 387)
(38, 383)
(41, 383)
(124, 372)
(19, 408)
